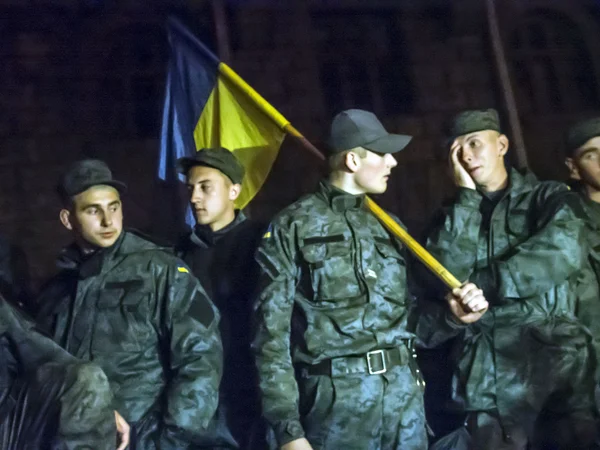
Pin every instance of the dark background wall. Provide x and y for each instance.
(85, 79)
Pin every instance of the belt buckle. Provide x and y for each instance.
(372, 353)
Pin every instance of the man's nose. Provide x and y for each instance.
(390, 161)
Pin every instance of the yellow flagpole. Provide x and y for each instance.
(417, 249)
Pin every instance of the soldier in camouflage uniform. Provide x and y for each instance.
(335, 357)
(135, 310)
(524, 373)
(48, 399)
(583, 162)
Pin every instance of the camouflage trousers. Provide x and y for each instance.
(364, 412)
(63, 407)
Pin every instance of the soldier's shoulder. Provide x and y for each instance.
(306, 207)
(551, 187)
(139, 248)
(556, 193)
(552, 196)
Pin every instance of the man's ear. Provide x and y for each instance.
(234, 191)
(65, 219)
(352, 161)
(573, 170)
(503, 144)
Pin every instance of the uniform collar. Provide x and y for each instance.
(88, 265)
(339, 200)
(518, 183)
(204, 236)
(592, 209)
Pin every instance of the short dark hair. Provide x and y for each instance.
(335, 160)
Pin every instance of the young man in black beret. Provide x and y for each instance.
(583, 161)
(220, 252)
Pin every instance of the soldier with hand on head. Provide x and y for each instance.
(220, 252)
(135, 310)
(335, 355)
(523, 374)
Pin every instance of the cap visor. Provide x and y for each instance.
(392, 143)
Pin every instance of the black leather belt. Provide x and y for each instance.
(374, 362)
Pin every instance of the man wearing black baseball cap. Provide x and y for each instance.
(335, 355)
(220, 252)
(135, 310)
(519, 239)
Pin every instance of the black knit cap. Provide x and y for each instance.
(218, 158)
(580, 133)
(474, 120)
(87, 173)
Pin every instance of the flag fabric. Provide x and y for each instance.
(206, 107)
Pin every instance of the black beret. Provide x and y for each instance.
(471, 121)
(580, 133)
(218, 158)
(87, 173)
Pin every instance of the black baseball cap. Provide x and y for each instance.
(357, 128)
(580, 133)
(87, 173)
(218, 158)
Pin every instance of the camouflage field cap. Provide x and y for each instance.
(580, 133)
(87, 173)
(474, 120)
(218, 158)
(357, 128)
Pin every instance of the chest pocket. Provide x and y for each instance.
(332, 272)
(391, 273)
(123, 315)
(518, 226)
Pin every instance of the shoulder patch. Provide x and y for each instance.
(182, 270)
(201, 310)
(269, 232)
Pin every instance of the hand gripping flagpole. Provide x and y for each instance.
(417, 249)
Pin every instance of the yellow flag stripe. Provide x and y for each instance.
(232, 120)
(235, 80)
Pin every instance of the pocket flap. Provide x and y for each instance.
(387, 249)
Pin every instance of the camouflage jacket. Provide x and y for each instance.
(525, 251)
(135, 310)
(333, 284)
(588, 309)
(22, 350)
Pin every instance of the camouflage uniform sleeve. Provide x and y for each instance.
(271, 345)
(195, 354)
(433, 323)
(556, 250)
(453, 240)
(34, 347)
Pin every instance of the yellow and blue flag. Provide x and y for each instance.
(206, 106)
